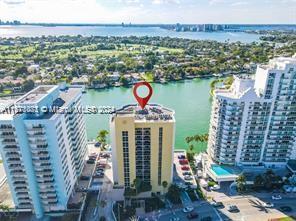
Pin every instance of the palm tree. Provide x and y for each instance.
(164, 185)
(269, 177)
(241, 182)
(134, 218)
(198, 138)
(5, 209)
(102, 138)
(258, 181)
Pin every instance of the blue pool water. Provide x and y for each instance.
(222, 170)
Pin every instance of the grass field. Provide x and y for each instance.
(19, 53)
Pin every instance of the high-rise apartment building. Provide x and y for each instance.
(254, 122)
(142, 145)
(42, 150)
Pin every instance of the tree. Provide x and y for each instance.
(269, 177)
(241, 183)
(5, 209)
(164, 185)
(258, 181)
(198, 138)
(102, 138)
(137, 184)
(134, 218)
(124, 81)
(173, 194)
(28, 85)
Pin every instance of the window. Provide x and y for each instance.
(160, 135)
(125, 158)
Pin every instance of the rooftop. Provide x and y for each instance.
(36, 94)
(69, 94)
(152, 112)
(241, 86)
(279, 63)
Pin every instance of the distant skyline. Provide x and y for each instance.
(150, 11)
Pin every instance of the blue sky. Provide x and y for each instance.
(150, 11)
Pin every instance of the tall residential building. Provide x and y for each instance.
(43, 151)
(142, 145)
(254, 122)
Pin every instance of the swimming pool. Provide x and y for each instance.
(222, 170)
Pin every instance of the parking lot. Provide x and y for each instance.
(252, 207)
(183, 173)
(202, 208)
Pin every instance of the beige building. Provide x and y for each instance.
(142, 145)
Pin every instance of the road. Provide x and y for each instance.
(252, 209)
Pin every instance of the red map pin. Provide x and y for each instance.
(142, 100)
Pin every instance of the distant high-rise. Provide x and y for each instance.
(43, 152)
(142, 145)
(254, 122)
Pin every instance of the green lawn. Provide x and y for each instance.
(18, 53)
(6, 92)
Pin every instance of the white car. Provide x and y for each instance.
(188, 209)
(187, 177)
(268, 205)
(215, 187)
(276, 197)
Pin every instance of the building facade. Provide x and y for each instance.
(42, 150)
(142, 145)
(254, 122)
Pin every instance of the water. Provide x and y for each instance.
(33, 31)
(221, 170)
(190, 100)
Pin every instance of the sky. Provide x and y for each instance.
(150, 11)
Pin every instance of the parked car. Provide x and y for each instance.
(188, 183)
(217, 204)
(286, 209)
(90, 161)
(233, 209)
(276, 197)
(184, 168)
(288, 189)
(84, 178)
(187, 173)
(188, 209)
(105, 155)
(183, 161)
(268, 205)
(192, 215)
(181, 157)
(215, 187)
(187, 177)
(97, 144)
